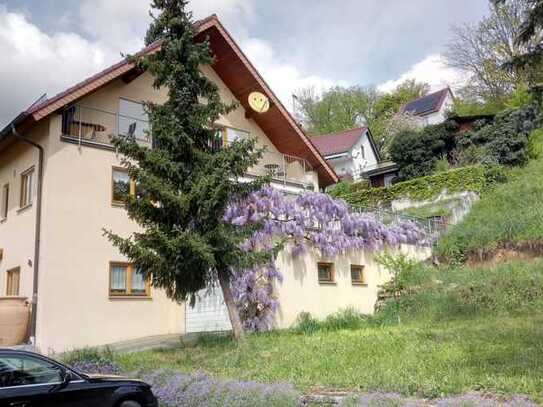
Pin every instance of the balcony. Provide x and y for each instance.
(285, 169)
(92, 126)
(96, 128)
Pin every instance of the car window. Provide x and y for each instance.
(24, 370)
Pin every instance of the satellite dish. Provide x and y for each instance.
(259, 102)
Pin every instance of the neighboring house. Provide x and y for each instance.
(56, 204)
(432, 108)
(353, 155)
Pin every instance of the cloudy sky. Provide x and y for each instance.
(48, 45)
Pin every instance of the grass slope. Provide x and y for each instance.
(467, 329)
(509, 215)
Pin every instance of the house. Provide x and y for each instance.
(431, 108)
(353, 155)
(60, 185)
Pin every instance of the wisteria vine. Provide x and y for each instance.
(313, 220)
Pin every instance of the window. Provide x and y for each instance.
(27, 371)
(362, 152)
(326, 272)
(5, 202)
(13, 282)
(226, 135)
(27, 179)
(357, 275)
(124, 280)
(121, 186)
(133, 120)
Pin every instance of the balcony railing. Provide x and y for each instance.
(96, 126)
(283, 168)
(93, 126)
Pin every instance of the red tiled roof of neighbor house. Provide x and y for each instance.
(427, 104)
(340, 142)
(235, 70)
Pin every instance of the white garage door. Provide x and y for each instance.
(209, 313)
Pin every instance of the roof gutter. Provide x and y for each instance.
(37, 235)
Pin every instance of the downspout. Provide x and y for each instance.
(36, 261)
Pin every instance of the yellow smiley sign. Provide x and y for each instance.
(259, 102)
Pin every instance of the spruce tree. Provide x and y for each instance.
(184, 183)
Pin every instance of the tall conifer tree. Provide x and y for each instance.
(184, 183)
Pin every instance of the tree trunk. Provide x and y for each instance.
(235, 320)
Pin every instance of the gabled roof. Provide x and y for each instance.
(234, 69)
(428, 104)
(342, 141)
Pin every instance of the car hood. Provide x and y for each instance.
(101, 378)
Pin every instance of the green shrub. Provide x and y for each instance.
(535, 144)
(88, 355)
(306, 324)
(341, 188)
(504, 141)
(417, 151)
(348, 318)
(475, 178)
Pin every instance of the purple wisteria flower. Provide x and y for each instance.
(313, 220)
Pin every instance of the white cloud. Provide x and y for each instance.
(119, 25)
(432, 70)
(34, 62)
(283, 78)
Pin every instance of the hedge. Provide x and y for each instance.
(473, 178)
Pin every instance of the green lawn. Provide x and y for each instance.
(461, 329)
(509, 215)
(498, 354)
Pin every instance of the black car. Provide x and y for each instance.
(31, 380)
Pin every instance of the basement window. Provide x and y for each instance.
(357, 275)
(326, 273)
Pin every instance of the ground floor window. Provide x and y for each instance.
(357, 275)
(124, 280)
(326, 273)
(13, 282)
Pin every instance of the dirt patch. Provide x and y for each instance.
(524, 251)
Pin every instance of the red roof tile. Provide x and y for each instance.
(336, 143)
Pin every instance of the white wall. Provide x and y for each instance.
(441, 115)
(301, 291)
(347, 164)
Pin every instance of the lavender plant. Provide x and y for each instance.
(313, 220)
(177, 389)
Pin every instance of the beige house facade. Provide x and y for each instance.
(87, 293)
